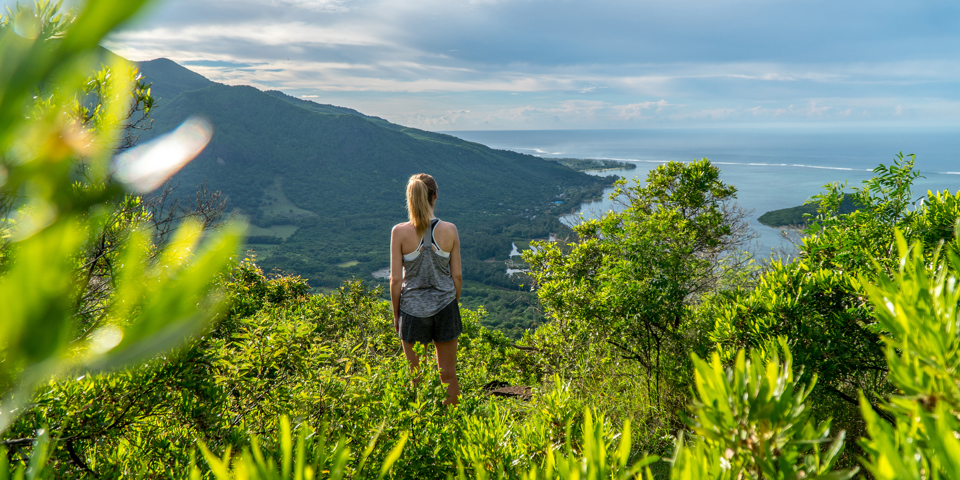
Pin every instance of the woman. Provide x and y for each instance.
(425, 282)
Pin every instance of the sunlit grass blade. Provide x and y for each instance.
(393, 455)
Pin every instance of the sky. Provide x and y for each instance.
(449, 65)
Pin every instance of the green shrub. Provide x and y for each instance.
(917, 313)
(751, 421)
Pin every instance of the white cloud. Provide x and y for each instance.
(337, 6)
(442, 121)
(469, 58)
(352, 55)
(809, 110)
(710, 114)
(270, 34)
(319, 5)
(635, 110)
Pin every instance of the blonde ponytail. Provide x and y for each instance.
(421, 196)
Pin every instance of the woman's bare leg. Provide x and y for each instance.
(412, 359)
(447, 361)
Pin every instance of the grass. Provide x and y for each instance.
(262, 251)
(660, 469)
(284, 231)
(259, 231)
(276, 206)
(522, 244)
(280, 231)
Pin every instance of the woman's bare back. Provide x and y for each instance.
(445, 234)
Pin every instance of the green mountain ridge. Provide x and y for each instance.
(170, 79)
(323, 185)
(331, 109)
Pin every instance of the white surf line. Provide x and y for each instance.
(746, 164)
(633, 160)
(797, 165)
(742, 164)
(535, 150)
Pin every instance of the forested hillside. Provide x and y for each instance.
(325, 184)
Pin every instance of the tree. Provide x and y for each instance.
(853, 241)
(630, 278)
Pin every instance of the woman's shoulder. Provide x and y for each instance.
(446, 227)
(404, 229)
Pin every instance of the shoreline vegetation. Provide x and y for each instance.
(593, 164)
(799, 216)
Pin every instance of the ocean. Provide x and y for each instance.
(772, 168)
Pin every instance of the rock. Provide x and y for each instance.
(494, 385)
(504, 389)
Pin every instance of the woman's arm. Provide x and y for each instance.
(455, 268)
(396, 276)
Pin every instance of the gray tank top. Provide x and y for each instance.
(427, 283)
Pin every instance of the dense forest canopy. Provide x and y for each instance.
(129, 352)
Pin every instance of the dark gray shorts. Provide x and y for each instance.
(443, 326)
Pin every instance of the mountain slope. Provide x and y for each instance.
(324, 184)
(170, 79)
(321, 108)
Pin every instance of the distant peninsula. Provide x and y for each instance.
(591, 164)
(795, 216)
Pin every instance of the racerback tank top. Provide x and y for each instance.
(427, 285)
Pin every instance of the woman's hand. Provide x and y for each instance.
(396, 324)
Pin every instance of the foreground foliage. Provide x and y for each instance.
(917, 310)
(332, 365)
(751, 421)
